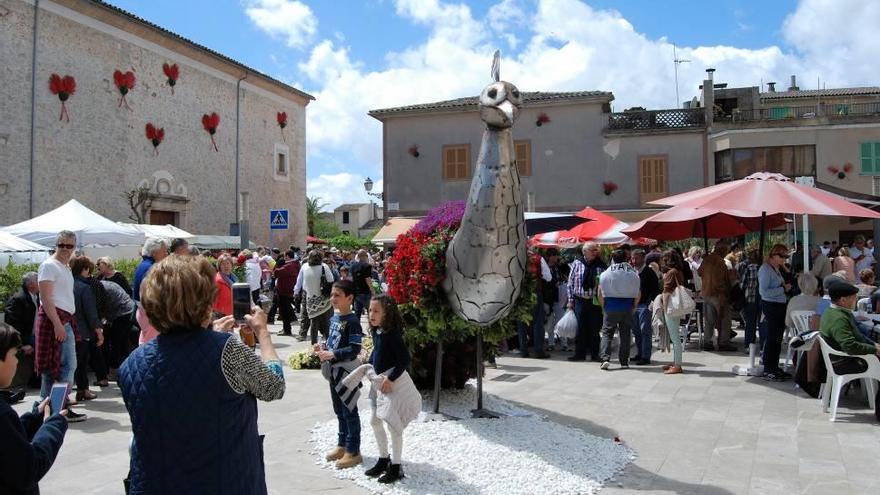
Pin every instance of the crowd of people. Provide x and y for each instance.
(619, 296)
(75, 318)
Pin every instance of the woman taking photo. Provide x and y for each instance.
(191, 392)
(772, 287)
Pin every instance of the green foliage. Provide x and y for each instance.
(313, 207)
(10, 279)
(348, 242)
(325, 229)
(126, 267)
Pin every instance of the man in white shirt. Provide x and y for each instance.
(54, 330)
(860, 253)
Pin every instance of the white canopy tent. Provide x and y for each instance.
(162, 231)
(13, 249)
(91, 229)
(218, 242)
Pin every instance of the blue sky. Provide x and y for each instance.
(358, 55)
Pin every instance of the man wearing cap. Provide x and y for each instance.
(840, 330)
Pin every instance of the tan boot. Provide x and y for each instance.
(349, 460)
(335, 454)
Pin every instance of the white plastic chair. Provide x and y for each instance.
(801, 321)
(834, 383)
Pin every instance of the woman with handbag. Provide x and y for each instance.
(673, 295)
(317, 283)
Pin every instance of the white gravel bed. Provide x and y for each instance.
(521, 453)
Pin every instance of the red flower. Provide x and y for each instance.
(608, 187)
(64, 88)
(211, 123)
(155, 135)
(125, 83)
(172, 72)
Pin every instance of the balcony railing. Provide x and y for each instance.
(653, 120)
(782, 113)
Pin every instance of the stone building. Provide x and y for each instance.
(569, 152)
(103, 151)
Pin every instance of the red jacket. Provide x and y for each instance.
(285, 278)
(223, 301)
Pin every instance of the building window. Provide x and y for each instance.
(875, 185)
(652, 178)
(870, 157)
(790, 161)
(281, 163)
(523, 157)
(344, 217)
(457, 162)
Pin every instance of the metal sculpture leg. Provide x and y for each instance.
(479, 412)
(436, 415)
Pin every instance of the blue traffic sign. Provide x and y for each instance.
(278, 219)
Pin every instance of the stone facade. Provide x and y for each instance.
(103, 152)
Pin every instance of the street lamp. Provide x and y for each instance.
(368, 186)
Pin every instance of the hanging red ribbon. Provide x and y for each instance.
(125, 83)
(64, 88)
(211, 123)
(155, 135)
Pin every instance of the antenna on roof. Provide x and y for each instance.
(676, 61)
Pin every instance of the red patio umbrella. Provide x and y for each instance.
(768, 193)
(604, 229)
(682, 222)
(314, 240)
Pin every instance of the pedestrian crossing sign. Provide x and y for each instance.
(278, 219)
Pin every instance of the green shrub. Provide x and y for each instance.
(10, 279)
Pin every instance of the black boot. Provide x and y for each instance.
(380, 467)
(393, 474)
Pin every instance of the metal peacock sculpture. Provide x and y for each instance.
(486, 259)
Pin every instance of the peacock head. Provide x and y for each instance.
(500, 101)
(500, 104)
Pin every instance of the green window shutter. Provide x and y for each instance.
(866, 156)
(876, 168)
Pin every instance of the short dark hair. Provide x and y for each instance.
(290, 254)
(80, 263)
(618, 256)
(9, 339)
(177, 242)
(346, 286)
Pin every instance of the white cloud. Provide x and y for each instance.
(287, 19)
(556, 45)
(341, 188)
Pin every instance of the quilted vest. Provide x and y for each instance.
(193, 434)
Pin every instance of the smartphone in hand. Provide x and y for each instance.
(241, 301)
(58, 397)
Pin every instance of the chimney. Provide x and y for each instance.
(771, 87)
(710, 74)
(709, 97)
(793, 86)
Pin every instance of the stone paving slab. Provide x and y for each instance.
(703, 432)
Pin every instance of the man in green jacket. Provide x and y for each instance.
(839, 329)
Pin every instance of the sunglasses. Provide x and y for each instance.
(66, 246)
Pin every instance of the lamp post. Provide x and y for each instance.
(368, 186)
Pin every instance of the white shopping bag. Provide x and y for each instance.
(567, 326)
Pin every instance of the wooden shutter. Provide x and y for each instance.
(867, 157)
(652, 178)
(456, 162)
(523, 157)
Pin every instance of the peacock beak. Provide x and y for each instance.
(509, 111)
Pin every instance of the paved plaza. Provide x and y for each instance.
(703, 432)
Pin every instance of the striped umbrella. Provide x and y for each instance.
(604, 229)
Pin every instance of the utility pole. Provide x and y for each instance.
(676, 61)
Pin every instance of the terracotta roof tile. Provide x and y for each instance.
(814, 93)
(470, 102)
